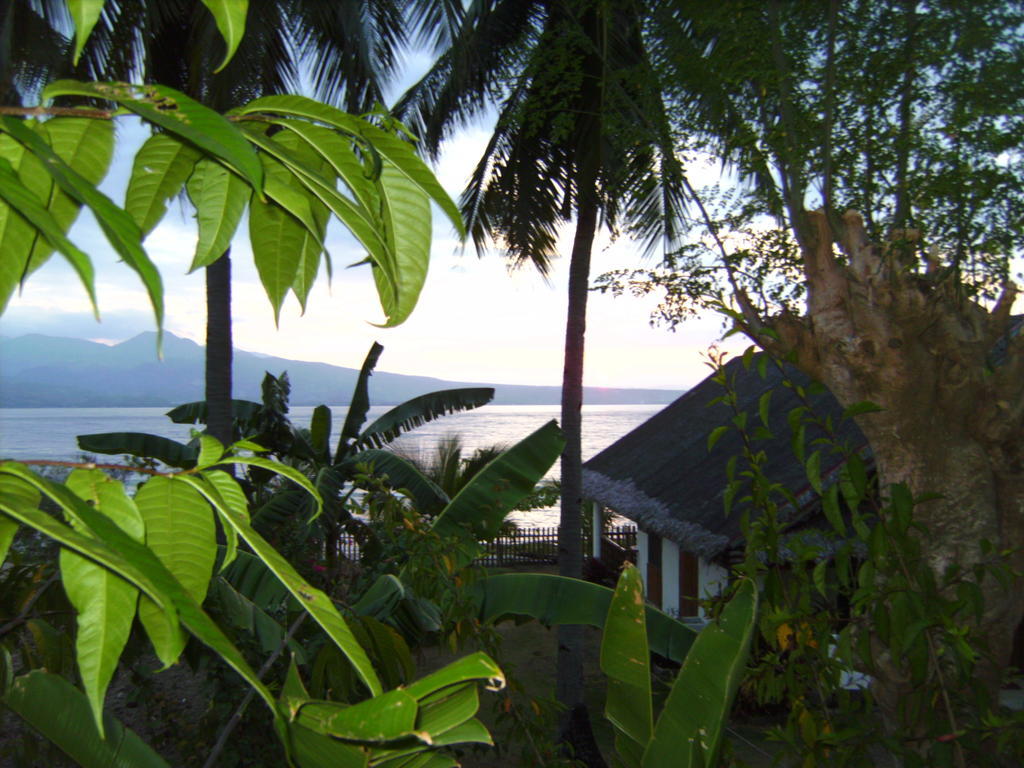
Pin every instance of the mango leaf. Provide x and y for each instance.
(478, 510)
(625, 661)
(170, 452)
(18, 240)
(87, 146)
(180, 532)
(554, 600)
(278, 245)
(405, 212)
(35, 698)
(159, 172)
(419, 410)
(690, 726)
(400, 153)
(359, 221)
(230, 18)
(220, 198)
(84, 15)
(105, 603)
(178, 114)
(136, 563)
(338, 152)
(234, 496)
(311, 599)
(118, 226)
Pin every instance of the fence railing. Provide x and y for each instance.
(523, 546)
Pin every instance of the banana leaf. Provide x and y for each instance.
(404, 475)
(170, 452)
(35, 697)
(358, 405)
(554, 600)
(689, 729)
(418, 411)
(479, 509)
(195, 412)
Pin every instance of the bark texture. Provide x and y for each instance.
(884, 327)
(219, 349)
(569, 683)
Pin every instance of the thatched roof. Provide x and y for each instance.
(662, 476)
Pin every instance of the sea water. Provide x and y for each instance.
(50, 433)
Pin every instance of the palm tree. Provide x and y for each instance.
(582, 134)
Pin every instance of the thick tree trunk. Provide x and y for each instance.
(569, 684)
(878, 329)
(219, 349)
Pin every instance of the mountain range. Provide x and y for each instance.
(46, 371)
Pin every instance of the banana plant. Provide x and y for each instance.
(688, 731)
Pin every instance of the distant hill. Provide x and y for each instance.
(46, 371)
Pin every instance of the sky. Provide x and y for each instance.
(475, 321)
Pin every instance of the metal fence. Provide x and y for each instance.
(523, 546)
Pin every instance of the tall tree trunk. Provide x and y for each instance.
(569, 684)
(219, 349)
(879, 330)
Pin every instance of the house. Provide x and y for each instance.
(663, 477)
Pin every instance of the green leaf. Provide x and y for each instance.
(178, 114)
(405, 211)
(320, 433)
(360, 222)
(359, 404)
(403, 474)
(865, 406)
(386, 717)
(234, 497)
(115, 549)
(230, 18)
(87, 146)
(337, 150)
(211, 451)
(813, 468)
(170, 452)
(555, 600)
(159, 172)
(105, 603)
(315, 602)
(8, 528)
(479, 509)
(475, 666)
(180, 532)
(689, 729)
(285, 471)
(119, 228)
(717, 434)
(625, 660)
(84, 15)
(420, 410)
(18, 240)
(195, 412)
(220, 198)
(35, 697)
(278, 245)
(400, 153)
(764, 405)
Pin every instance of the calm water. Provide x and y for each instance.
(49, 433)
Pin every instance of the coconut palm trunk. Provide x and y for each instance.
(219, 349)
(569, 683)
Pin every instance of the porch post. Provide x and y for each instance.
(595, 527)
(669, 577)
(642, 556)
